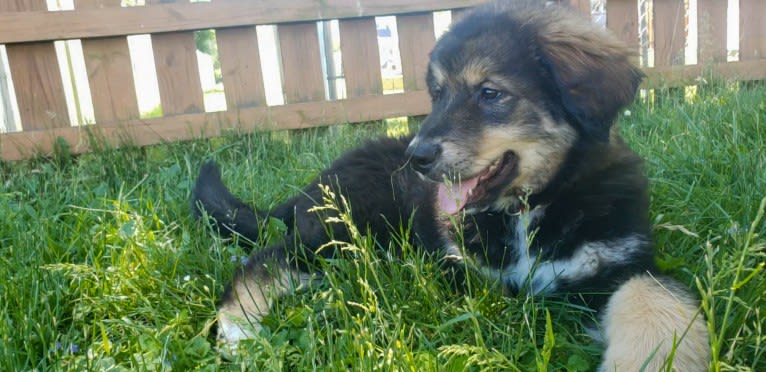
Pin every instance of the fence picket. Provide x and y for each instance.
(175, 58)
(711, 30)
(241, 67)
(36, 77)
(110, 73)
(752, 30)
(416, 39)
(622, 19)
(301, 62)
(669, 32)
(361, 58)
(580, 6)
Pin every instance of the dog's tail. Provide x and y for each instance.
(212, 199)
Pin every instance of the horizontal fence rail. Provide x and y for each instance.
(305, 62)
(41, 25)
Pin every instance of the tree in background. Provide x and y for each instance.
(206, 43)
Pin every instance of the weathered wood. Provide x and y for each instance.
(622, 19)
(175, 58)
(416, 39)
(241, 67)
(752, 29)
(301, 62)
(110, 72)
(36, 75)
(683, 75)
(580, 6)
(14, 146)
(304, 85)
(669, 32)
(457, 14)
(361, 58)
(711, 30)
(184, 16)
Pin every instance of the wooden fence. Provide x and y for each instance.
(28, 30)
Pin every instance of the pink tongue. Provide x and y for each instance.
(452, 198)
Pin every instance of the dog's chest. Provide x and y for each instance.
(527, 267)
(533, 266)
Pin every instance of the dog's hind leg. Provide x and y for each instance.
(653, 323)
(268, 275)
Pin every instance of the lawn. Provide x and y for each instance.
(103, 268)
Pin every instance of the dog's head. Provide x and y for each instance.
(514, 89)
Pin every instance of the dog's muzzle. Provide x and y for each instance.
(423, 155)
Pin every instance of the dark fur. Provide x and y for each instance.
(596, 190)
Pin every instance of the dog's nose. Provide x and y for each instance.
(423, 155)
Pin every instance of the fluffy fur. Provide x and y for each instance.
(520, 141)
(647, 322)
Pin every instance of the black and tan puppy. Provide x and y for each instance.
(519, 142)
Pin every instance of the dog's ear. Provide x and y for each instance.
(591, 69)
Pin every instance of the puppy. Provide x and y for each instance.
(520, 141)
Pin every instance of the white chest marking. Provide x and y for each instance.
(541, 277)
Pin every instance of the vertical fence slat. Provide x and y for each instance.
(175, 58)
(622, 19)
(361, 58)
(301, 62)
(36, 77)
(416, 39)
(580, 6)
(110, 72)
(241, 67)
(669, 32)
(752, 29)
(457, 14)
(711, 30)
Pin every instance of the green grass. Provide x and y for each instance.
(104, 269)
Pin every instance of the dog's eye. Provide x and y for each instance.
(436, 93)
(489, 94)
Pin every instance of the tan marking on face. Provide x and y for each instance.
(438, 73)
(457, 160)
(541, 149)
(481, 71)
(476, 71)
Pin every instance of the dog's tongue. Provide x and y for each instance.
(452, 198)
